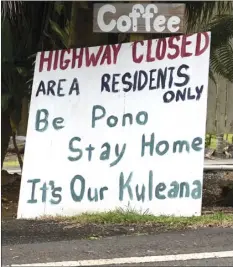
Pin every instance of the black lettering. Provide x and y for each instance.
(182, 75)
(41, 88)
(141, 83)
(199, 92)
(59, 88)
(161, 79)
(168, 97)
(114, 83)
(74, 87)
(104, 82)
(51, 85)
(151, 87)
(190, 96)
(125, 82)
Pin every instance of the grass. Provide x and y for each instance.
(131, 217)
(11, 163)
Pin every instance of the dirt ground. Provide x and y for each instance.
(217, 194)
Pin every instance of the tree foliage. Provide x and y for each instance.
(29, 27)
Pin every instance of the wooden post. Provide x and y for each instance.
(22, 128)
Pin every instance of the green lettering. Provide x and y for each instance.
(130, 116)
(159, 188)
(118, 154)
(123, 186)
(44, 189)
(39, 120)
(187, 190)
(90, 198)
(55, 194)
(112, 121)
(75, 197)
(57, 121)
(161, 143)
(105, 154)
(196, 192)
(150, 185)
(89, 149)
(102, 189)
(72, 149)
(150, 144)
(196, 143)
(140, 196)
(34, 182)
(145, 118)
(94, 117)
(173, 192)
(181, 144)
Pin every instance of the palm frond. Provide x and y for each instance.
(221, 60)
(202, 12)
(11, 8)
(221, 28)
(61, 33)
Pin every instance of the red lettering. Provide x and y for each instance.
(161, 44)
(200, 51)
(92, 59)
(64, 63)
(43, 60)
(106, 56)
(116, 48)
(55, 63)
(148, 56)
(185, 43)
(173, 46)
(78, 57)
(134, 50)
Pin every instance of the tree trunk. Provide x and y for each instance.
(22, 128)
(72, 43)
(17, 150)
(6, 133)
(219, 144)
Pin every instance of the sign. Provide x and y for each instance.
(118, 126)
(141, 18)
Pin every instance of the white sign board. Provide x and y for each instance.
(118, 126)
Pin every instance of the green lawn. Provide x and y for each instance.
(131, 217)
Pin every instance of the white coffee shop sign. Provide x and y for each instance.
(143, 18)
